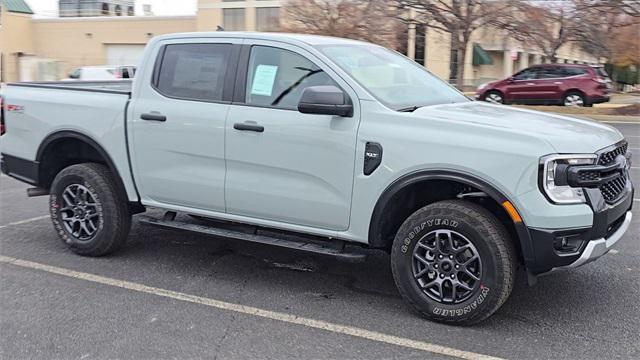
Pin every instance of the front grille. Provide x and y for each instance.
(588, 175)
(610, 156)
(612, 190)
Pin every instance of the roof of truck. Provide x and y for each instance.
(283, 37)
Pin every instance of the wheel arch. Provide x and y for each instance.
(574, 90)
(84, 149)
(382, 230)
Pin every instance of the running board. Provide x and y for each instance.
(295, 243)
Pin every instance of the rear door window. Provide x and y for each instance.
(573, 71)
(193, 71)
(549, 72)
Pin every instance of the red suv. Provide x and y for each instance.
(566, 84)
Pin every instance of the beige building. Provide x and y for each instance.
(37, 49)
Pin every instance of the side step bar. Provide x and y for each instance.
(295, 243)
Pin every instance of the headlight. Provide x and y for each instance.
(553, 177)
(482, 86)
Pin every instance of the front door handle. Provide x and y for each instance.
(153, 117)
(248, 127)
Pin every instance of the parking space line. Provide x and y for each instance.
(24, 221)
(253, 311)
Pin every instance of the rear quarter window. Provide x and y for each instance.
(193, 71)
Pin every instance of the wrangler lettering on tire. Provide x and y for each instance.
(88, 212)
(453, 262)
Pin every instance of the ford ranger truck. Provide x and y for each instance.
(312, 143)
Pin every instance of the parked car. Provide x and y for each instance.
(314, 143)
(97, 73)
(559, 84)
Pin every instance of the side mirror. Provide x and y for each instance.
(511, 79)
(325, 100)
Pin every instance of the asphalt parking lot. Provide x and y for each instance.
(176, 295)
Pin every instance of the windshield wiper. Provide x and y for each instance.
(409, 109)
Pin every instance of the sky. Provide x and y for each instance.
(49, 8)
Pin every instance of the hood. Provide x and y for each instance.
(563, 133)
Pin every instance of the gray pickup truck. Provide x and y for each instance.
(313, 143)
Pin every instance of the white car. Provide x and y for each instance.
(102, 73)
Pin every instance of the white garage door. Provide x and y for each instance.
(124, 54)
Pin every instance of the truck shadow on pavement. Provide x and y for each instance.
(562, 297)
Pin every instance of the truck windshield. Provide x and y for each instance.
(396, 81)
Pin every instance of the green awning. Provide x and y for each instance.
(480, 56)
(16, 6)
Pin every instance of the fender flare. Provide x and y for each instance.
(70, 134)
(375, 240)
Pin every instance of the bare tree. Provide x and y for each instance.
(545, 25)
(459, 18)
(548, 25)
(603, 22)
(355, 19)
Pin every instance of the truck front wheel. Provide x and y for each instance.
(88, 212)
(453, 262)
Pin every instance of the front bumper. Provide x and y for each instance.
(610, 222)
(599, 247)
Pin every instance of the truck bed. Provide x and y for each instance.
(122, 87)
(93, 110)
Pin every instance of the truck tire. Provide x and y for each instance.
(88, 211)
(453, 262)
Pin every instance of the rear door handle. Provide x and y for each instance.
(248, 127)
(153, 117)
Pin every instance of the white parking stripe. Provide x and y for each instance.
(253, 311)
(24, 221)
(621, 122)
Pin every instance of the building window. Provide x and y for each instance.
(233, 19)
(118, 10)
(453, 66)
(420, 44)
(268, 19)
(130, 11)
(105, 9)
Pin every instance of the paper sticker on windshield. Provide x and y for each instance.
(263, 80)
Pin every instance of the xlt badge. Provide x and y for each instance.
(372, 157)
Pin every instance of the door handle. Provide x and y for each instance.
(248, 127)
(153, 117)
(529, 84)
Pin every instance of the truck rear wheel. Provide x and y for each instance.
(88, 211)
(453, 262)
